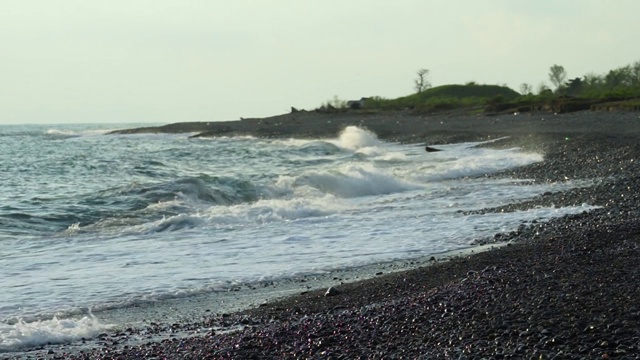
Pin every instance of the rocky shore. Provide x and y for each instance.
(410, 127)
(566, 289)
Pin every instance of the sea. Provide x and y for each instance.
(94, 224)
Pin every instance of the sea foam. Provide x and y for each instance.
(470, 163)
(355, 181)
(354, 138)
(23, 335)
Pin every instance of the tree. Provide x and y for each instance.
(337, 103)
(525, 89)
(592, 84)
(592, 80)
(543, 90)
(619, 77)
(557, 74)
(421, 82)
(635, 73)
(574, 87)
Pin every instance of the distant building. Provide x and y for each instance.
(357, 104)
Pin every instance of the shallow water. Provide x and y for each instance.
(91, 222)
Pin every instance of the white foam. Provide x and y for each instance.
(355, 138)
(280, 209)
(472, 163)
(352, 138)
(292, 142)
(178, 222)
(23, 335)
(392, 156)
(272, 210)
(355, 181)
(165, 205)
(225, 138)
(72, 229)
(68, 133)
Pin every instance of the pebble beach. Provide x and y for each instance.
(564, 289)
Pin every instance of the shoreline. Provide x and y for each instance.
(566, 287)
(406, 127)
(182, 317)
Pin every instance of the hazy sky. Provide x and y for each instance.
(208, 60)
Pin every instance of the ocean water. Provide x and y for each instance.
(91, 222)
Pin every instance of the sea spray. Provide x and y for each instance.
(355, 138)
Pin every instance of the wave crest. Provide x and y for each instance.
(55, 331)
(355, 138)
(355, 181)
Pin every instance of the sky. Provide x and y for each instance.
(165, 61)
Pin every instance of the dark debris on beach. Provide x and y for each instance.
(565, 289)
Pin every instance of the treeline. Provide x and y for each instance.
(617, 89)
(623, 82)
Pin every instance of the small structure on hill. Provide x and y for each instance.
(357, 104)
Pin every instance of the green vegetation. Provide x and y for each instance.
(620, 82)
(617, 89)
(446, 97)
(334, 104)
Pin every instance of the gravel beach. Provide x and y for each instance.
(565, 289)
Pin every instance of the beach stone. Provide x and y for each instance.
(332, 291)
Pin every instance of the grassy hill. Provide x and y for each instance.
(446, 97)
(619, 89)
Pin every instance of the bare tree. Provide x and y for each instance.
(557, 74)
(421, 82)
(525, 89)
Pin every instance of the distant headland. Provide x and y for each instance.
(448, 108)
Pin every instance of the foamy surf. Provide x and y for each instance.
(24, 335)
(355, 138)
(111, 221)
(355, 181)
(78, 132)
